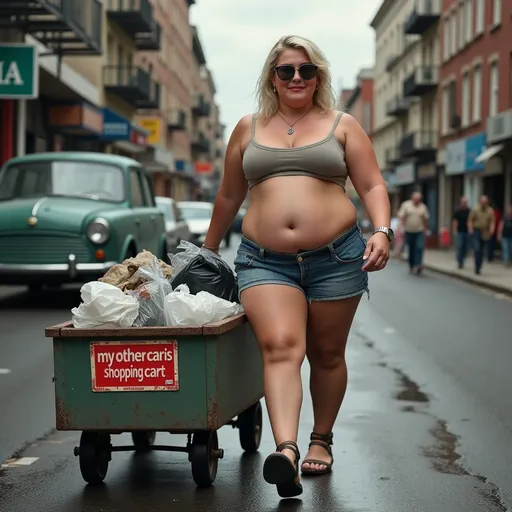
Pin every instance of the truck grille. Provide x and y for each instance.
(41, 249)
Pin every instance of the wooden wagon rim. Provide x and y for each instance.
(66, 330)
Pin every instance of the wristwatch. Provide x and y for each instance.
(387, 231)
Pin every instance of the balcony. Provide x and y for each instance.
(200, 143)
(71, 28)
(421, 81)
(153, 100)
(426, 13)
(176, 120)
(133, 16)
(420, 144)
(393, 156)
(130, 83)
(200, 107)
(392, 61)
(149, 41)
(397, 106)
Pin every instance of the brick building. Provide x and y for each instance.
(475, 84)
(360, 102)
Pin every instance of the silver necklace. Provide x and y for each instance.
(291, 129)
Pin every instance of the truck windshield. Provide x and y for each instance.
(92, 180)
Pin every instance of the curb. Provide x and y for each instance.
(470, 279)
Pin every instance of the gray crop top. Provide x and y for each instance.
(324, 160)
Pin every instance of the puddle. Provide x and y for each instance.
(443, 454)
(410, 391)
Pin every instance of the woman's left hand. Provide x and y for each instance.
(377, 253)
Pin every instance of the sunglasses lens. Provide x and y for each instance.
(285, 73)
(307, 71)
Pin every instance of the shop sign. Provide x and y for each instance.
(153, 125)
(19, 71)
(427, 171)
(137, 137)
(203, 167)
(455, 157)
(474, 147)
(405, 174)
(115, 127)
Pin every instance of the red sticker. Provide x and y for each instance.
(134, 365)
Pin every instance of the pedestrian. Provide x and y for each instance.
(460, 230)
(481, 223)
(505, 235)
(414, 216)
(302, 263)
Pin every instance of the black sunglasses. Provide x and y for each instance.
(287, 72)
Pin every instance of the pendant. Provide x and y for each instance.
(291, 130)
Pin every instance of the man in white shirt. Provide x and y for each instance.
(414, 217)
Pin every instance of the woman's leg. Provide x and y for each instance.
(327, 333)
(278, 316)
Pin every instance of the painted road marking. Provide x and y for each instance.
(4, 371)
(22, 461)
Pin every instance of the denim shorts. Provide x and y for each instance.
(332, 272)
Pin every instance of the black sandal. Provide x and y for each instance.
(325, 441)
(282, 472)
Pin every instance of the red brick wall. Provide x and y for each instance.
(491, 42)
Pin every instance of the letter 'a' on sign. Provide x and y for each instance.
(19, 71)
(134, 366)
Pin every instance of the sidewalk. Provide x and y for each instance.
(495, 276)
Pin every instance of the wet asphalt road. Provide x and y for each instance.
(426, 425)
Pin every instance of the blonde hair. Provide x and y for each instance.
(268, 101)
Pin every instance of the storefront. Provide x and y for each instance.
(427, 179)
(121, 137)
(499, 138)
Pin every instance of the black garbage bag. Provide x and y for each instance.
(205, 271)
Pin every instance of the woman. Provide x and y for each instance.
(302, 264)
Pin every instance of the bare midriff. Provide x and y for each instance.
(295, 213)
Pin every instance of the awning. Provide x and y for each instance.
(488, 153)
(157, 159)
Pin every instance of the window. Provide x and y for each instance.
(453, 49)
(493, 89)
(136, 191)
(462, 24)
(452, 102)
(446, 110)
(466, 98)
(469, 20)
(496, 12)
(446, 39)
(480, 16)
(477, 94)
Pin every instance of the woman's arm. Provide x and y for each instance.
(365, 174)
(233, 188)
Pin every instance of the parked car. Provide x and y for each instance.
(197, 214)
(70, 216)
(176, 226)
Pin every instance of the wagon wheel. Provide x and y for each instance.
(250, 424)
(94, 456)
(204, 456)
(143, 440)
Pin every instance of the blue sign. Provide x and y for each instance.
(115, 127)
(474, 147)
(183, 166)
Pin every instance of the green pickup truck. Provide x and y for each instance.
(68, 217)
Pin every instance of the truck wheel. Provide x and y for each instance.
(94, 456)
(204, 456)
(250, 425)
(143, 440)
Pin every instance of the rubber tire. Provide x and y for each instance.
(203, 459)
(250, 426)
(94, 456)
(143, 440)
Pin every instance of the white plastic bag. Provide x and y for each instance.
(104, 305)
(182, 309)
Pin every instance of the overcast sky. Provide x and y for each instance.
(238, 34)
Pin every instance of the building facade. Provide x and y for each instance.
(405, 116)
(122, 81)
(475, 95)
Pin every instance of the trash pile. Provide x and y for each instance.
(197, 288)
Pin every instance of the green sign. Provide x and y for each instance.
(19, 71)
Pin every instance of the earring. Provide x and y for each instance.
(274, 89)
